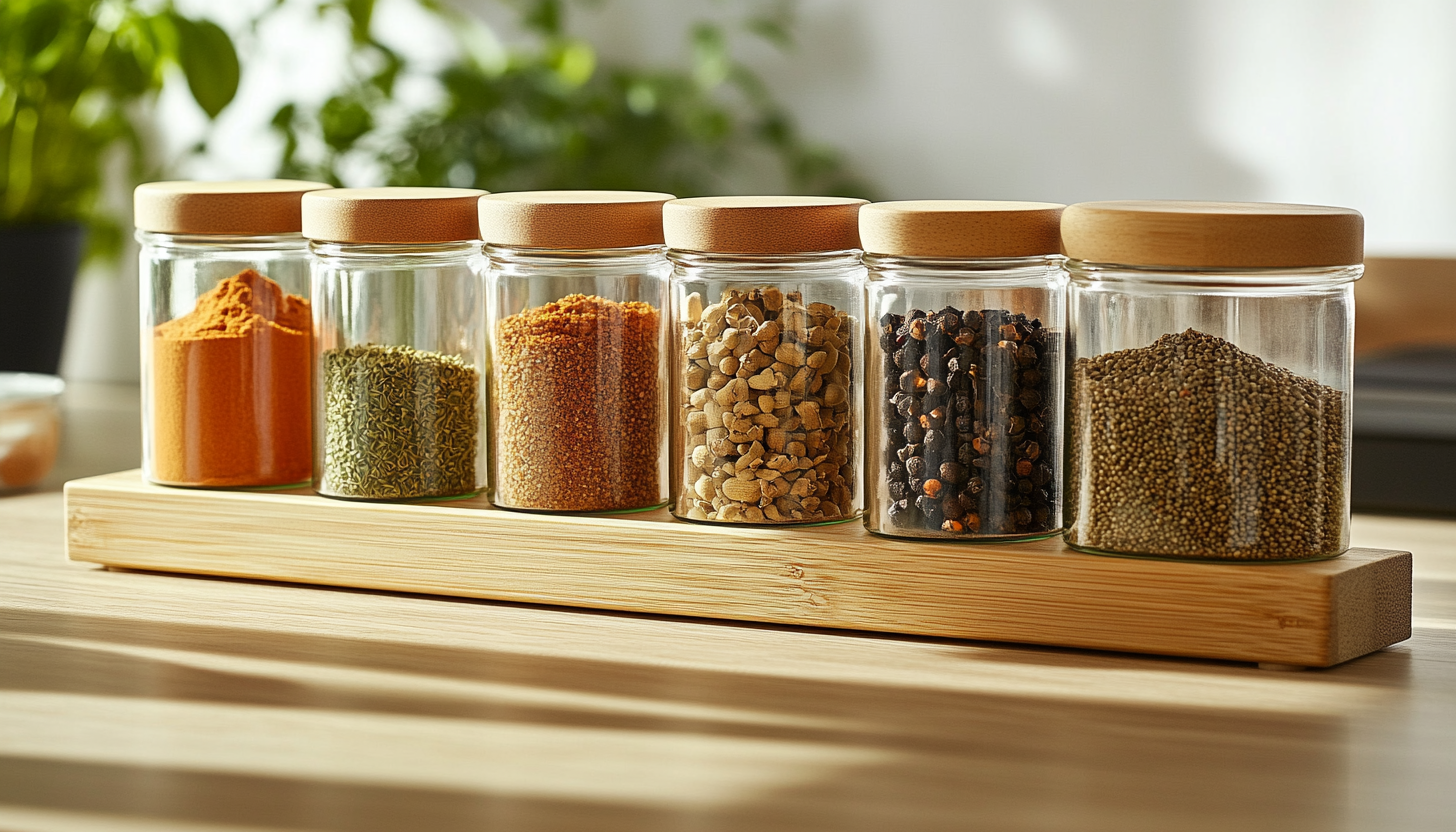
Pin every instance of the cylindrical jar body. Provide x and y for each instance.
(768, 370)
(400, 368)
(964, 397)
(578, 381)
(1209, 379)
(226, 359)
(1209, 412)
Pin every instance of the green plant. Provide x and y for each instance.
(548, 113)
(72, 74)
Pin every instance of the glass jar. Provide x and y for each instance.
(577, 288)
(226, 333)
(1209, 407)
(399, 314)
(964, 397)
(767, 358)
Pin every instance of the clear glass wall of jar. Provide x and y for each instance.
(964, 392)
(767, 359)
(227, 332)
(577, 288)
(1210, 379)
(399, 315)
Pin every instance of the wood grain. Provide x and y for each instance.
(1312, 614)
(400, 216)
(961, 228)
(575, 220)
(762, 224)
(265, 206)
(1235, 235)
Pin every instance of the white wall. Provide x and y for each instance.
(1344, 102)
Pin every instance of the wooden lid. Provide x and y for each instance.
(392, 215)
(265, 206)
(1213, 234)
(577, 220)
(762, 224)
(961, 228)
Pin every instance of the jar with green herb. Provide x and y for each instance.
(577, 287)
(768, 357)
(1210, 377)
(399, 321)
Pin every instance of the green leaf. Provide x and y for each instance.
(575, 63)
(361, 17)
(344, 121)
(208, 59)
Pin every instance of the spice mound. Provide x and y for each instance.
(230, 394)
(576, 409)
(967, 415)
(769, 424)
(1191, 447)
(400, 423)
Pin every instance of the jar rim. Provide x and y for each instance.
(952, 267)
(1085, 271)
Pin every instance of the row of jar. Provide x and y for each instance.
(765, 360)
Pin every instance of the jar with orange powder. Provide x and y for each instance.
(226, 333)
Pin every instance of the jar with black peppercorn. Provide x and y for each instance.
(1210, 376)
(964, 398)
(767, 357)
(577, 288)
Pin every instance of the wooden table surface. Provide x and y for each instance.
(136, 701)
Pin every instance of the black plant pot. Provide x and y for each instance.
(38, 266)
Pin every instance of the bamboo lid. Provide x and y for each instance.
(392, 215)
(1213, 234)
(264, 206)
(762, 224)
(577, 220)
(961, 228)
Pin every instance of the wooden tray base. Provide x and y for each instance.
(1302, 614)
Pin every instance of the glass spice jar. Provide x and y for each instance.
(577, 289)
(226, 333)
(964, 395)
(1210, 378)
(399, 315)
(767, 357)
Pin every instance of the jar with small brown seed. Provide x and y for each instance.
(767, 359)
(1210, 377)
(964, 391)
(577, 287)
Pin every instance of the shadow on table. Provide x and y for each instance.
(930, 757)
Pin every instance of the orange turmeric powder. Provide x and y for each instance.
(230, 398)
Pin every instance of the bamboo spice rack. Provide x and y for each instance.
(1304, 614)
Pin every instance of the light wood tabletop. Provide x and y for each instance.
(133, 701)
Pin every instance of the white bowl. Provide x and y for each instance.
(30, 427)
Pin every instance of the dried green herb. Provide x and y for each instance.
(399, 423)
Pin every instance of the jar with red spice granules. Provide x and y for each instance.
(577, 292)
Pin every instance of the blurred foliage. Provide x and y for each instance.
(72, 73)
(547, 112)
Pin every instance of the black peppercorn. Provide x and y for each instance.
(965, 404)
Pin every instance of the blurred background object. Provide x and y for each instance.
(548, 112)
(1405, 386)
(75, 79)
(30, 427)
